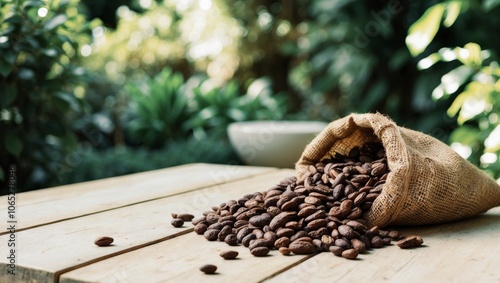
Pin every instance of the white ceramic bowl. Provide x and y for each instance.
(272, 143)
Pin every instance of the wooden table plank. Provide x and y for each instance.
(50, 249)
(465, 251)
(65, 202)
(178, 260)
(452, 253)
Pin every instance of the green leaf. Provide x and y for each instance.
(492, 142)
(452, 11)
(33, 3)
(452, 81)
(55, 22)
(429, 61)
(421, 32)
(465, 135)
(10, 56)
(13, 144)
(470, 55)
(5, 68)
(26, 74)
(473, 96)
(50, 52)
(70, 99)
(8, 95)
(488, 5)
(14, 19)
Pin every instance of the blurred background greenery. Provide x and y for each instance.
(93, 89)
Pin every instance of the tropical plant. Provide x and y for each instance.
(164, 108)
(158, 109)
(121, 160)
(41, 86)
(218, 106)
(473, 85)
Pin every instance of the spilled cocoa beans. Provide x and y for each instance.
(321, 213)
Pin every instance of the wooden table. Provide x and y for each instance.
(56, 229)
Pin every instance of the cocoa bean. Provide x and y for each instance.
(350, 254)
(410, 242)
(301, 247)
(103, 241)
(229, 254)
(208, 268)
(259, 251)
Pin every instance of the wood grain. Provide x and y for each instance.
(452, 253)
(465, 251)
(47, 250)
(178, 260)
(60, 203)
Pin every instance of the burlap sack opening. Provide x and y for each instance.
(429, 183)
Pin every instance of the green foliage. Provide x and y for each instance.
(216, 107)
(423, 31)
(97, 164)
(474, 88)
(353, 58)
(39, 44)
(164, 109)
(159, 109)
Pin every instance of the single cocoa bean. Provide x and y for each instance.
(229, 254)
(185, 216)
(260, 220)
(410, 242)
(103, 241)
(293, 225)
(280, 220)
(358, 245)
(316, 215)
(208, 268)
(259, 251)
(306, 211)
(342, 243)
(259, 243)
(316, 224)
(284, 251)
(211, 234)
(377, 242)
(231, 240)
(301, 247)
(200, 228)
(177, 222)
(350, 254)
(246, 240)
(282, 242)
(346, 231)
(217, 226)
(336, 250)
(270, 236)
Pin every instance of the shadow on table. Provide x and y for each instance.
(480, 224)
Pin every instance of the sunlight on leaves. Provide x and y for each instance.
(492, 142)
(421, 33)
(452, 11)
(451, 82)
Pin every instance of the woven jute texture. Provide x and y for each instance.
(428, 184)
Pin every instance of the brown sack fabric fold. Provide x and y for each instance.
(429, 182)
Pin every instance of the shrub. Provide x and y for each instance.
(40, 42)
(97, 164)
(164, 109)
(473, 85)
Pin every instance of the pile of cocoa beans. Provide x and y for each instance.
(322, 212)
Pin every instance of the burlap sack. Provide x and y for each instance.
(429, 183)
